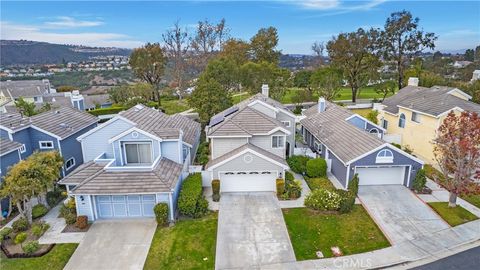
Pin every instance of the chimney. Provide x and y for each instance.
(413, 81)
(265, 90)
(322, 105)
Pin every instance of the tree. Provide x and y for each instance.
(148, 64)
(352, 53)
(263, 46)
(32, 177)
(477, 53)
(469, 55)
(224, 71)
(385, 88)
(327, 82)
(302, 78)
(318, 48)
(437, 56)
(123, 94)
(401, 39)
(66, 88)
(209, 98)
(457, 151)
(236, 50)
(176, 46)
(300, 96)
(24, 107)
(253, 75)
(208, 38)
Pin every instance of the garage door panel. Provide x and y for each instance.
(247, 181)
(119, 209)
(381, 175)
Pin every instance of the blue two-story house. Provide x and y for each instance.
(9, 156)
(52, 130)
(133, 161)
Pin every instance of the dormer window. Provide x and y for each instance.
(384, 156)
(138, 153)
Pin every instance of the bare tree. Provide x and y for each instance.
(208, 38)
(318, 48)
(176, 46)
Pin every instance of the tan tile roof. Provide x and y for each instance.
(23, 88)
(83, 172)
(7, 146)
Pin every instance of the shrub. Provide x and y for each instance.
(322, 199)
(161, 213)
(317, 168)
(280, 186)
(81, 222)
(373, 116)
(202, 208)
(191, 196)
(294, 189)
(289, 177)
(420, 181)
(347, 202)
(54, 196)
(39, 210)
(298, 164)
(297, 110)
(216, 197)
(31, 247)
(71, 204)
(353, 185)
(216, 186)
(202, 153)
(104, 111)
(397, 145)
(70, 218)
(5, 232)
(20, 225)
(20, 238)
(37, 229)
(407, 149)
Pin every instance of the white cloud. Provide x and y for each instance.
(320, 4)
(70, 22)
(17, 31)
(338, 5)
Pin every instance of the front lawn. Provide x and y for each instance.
(189, 244)
(311, 231)
(344, 94)
(453, 216)
(473, 199)
(175, 106)
(57, 258)
(321, 182)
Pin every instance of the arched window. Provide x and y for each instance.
(384, 156)
(374, 131)
(401, 121)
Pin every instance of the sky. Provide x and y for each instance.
(130, 24)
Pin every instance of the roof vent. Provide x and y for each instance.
(138, 107)
(57, 112)
(413, 81)
(63, 125)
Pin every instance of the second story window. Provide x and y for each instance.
(415, 117)
(45, 144)
(278, 141)
(286, 123)
(401, 121)
(138, 153)
(23, 149)
(384, 123)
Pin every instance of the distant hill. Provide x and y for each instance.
(24, 52)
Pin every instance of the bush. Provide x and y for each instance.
(373, 116)
(298, 110)
(161, 213)
(289, 177)
(104, 111)
(191, 199)
(202, 153)
(322, 199)
(420, 181)
(70, 218)
(317, 168)
(71, 204)
(294, 189)
(5, 232)
(20, 225)
(216, 186)
(280, 186)
(38, 229)
(353, 185)
(20, 238)
(407, 149)
(397, 145)
(31, 247)
(347, 202)
(202, 208)
(54, 196)
(39, 210)
(298, 164)
(81, 222)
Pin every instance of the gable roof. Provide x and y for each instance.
(163, 125)
(344, 140)
(23, 88)
(7, 146)
(433, 101)
(14, 121)
(83, 172)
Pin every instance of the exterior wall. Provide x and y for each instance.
(398, 160)
(370, 127)
(263, 109)
(85, 207)
(338, 169)
(4, 134)
(238, 164)
(36, 136)
(72, 148)
(8, 160)
(172, 151)
(265, 142)
(129, 138)
(176, 193)
(221, 146)
(23, 137)
(97, 142)
(281, 116)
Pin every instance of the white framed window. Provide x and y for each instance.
(70, 163)
(45, 144)
(286, 123)
(401, 121)
(317, 146)
(384, 123)
(415, 117)
(138, 152)
(278, 141)
(23, 149)
(384, 156)
(373, 131)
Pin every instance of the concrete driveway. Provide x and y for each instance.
(399, 213)
(251, 232)
(114, 244)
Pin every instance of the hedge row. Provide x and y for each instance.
(191, 201)
(105, 111)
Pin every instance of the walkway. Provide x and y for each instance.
(54, 233)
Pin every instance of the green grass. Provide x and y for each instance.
(175, 106)
(453, 216)
(473, 199)
(240, 97)
(311, 231)
(362, 112)
(344, 94)
(185, 245)
(57, 258)
(321, 182)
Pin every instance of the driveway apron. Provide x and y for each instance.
(251, 232)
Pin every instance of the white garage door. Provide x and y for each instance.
(117, 206)
(247, 181)
(381, 176)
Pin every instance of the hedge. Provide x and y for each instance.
(420, 181)
(105, 111)
(280, 186)
(39, 210)
(191, 202)
(216, 190)
(298, 164)
(317, 167)
(161, 213)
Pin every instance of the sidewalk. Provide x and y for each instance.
(54, 234)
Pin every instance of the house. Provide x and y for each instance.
(249, 143)
(52, 130)
(461, 64)
(351, 148)
(29, 90)
(9, 156)
(475, 75)
(132, 162)
(413, 115)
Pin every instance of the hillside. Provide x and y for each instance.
(23, 52)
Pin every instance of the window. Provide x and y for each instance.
(138, 153)
(415, 117)
(45, 144)
(374, 131)
(278, 141)
(36, 99)
(23, 149)
(401, 121)
(384, 156)
(317, 146)
(69, 163)
(185, 152)
(384, 123)
(286, 123)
